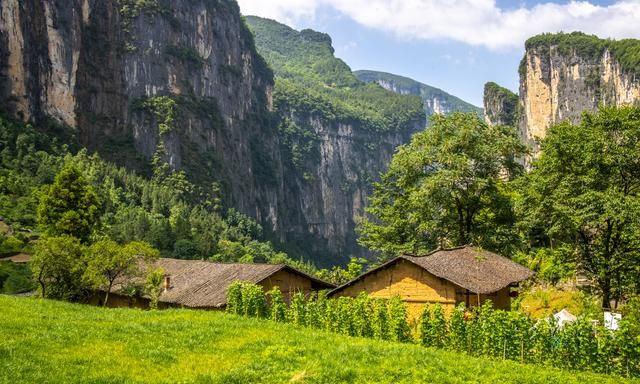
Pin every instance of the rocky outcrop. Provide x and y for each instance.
(178, 81)
(337, 136)
(563, 75)
(500, 105)
(435, 100)
(332, 183)
(157, 82)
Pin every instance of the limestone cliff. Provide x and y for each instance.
(500, 105)
(178, 84)
(435, 100)
(177, 81)
(337, 135)
(563, 75)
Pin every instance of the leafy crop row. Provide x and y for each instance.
(481, 332)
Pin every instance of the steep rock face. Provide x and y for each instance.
(176, 80)
(500, 105)
(337, 135)
(332, 183)
(563, 75)
(435, 100)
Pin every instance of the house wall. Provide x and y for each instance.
(288, 282)
(417, 287)
(500, 299)
(413, 284)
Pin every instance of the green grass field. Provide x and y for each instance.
(45, 341)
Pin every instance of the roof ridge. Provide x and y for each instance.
(440, 249)
(221, 262)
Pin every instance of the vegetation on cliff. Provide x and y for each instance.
(500, 105)
(166, 210)
(626, 51)
(309, 79)
(428, 93)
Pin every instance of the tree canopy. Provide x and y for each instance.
(584, 192)
(69, 206)
(447, 187)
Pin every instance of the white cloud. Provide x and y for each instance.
(474, 22)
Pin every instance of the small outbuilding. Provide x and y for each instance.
(204, 284)
(447, 276)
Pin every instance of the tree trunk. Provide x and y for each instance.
(42, 285)
(106, 295)
(460, 227)
(605, 286)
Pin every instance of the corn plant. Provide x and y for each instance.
(253, 301)
(297, 310)
(457, 337)
(398, 325)
(361, 315)
(234, 298)
(316, 310)
(380, 319)
(342, 316)
(278, 309)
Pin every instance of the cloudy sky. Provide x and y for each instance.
(456, 45)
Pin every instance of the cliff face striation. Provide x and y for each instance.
(563, 75)
(435, 100)
(337, 135)
(155, 82)
(161, 86)
(500, 105)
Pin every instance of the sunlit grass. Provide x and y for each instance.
(47, 341)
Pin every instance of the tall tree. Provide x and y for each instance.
(446, 187)
(108, 261)
(69, 206)
(57, 266)
(584, 191)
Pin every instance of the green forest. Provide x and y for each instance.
(311, 80)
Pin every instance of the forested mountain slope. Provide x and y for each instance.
(435, 100)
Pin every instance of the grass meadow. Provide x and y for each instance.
(44, 341)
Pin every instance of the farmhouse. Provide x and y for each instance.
(448, 277)
(203, 284)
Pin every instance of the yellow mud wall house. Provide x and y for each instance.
(446, 277)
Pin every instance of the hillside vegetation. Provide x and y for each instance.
(310, 79)
(174, 215)
(626, 51)
(48, 341)
(426, 92)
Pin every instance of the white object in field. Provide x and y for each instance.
(611, 320)
(564, 317)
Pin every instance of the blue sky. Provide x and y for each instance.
(454, 45)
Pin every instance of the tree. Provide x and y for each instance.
(338, 275)
(153, 286)
(69, 206)
(186, 250)
(447, 187)
(57, 266)
(108, 260)
(584, 192)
